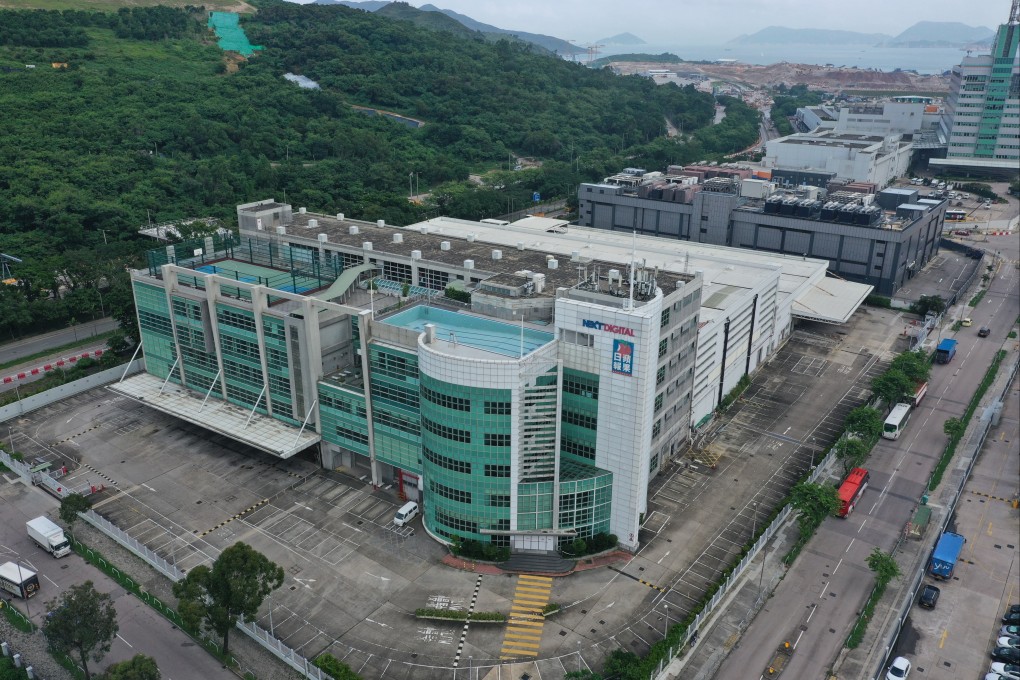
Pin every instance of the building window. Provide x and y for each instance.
(664, 319)
(581, 386)
(497, 439)
(445, 432)
(445, 400)
(499, 501)
(660, 375)
(456, 523)
(568, 445)
(658, 402)
(497, 408)
(580, 419)
(497, 470)
(446, 462)
(449, 492)
(656, 429)
(352, 435)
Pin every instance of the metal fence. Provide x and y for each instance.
(738, 571)
(907, 600)
(58, 488)
(116, 533)
(283, 652)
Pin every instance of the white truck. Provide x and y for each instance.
(18, 580)
(49, 536)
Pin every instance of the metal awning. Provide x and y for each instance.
(830, 300)
(258, 431)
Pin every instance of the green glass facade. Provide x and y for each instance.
(199, 364)
(579, 416)
(394, 387)
(466, 459)
(343, 417)
(586, 495)
(156, 331)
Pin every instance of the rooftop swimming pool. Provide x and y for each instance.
(473, 331)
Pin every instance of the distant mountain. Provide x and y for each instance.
(622, 39)
(941, 34)
(434, 21)
(492, 33)
(808, 36)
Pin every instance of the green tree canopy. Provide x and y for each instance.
(82, 623)
(892, 386)
(138, 667)
(851, 452)
(865, 422)
(914, 365)
(883, 565)
(71, 505)
(239, 581)
(815, 502)
(954, 427)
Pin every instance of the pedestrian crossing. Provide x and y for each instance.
(523, 635)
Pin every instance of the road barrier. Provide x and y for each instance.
(283, 652)
(120, 536)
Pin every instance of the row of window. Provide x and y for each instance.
(497, 470)
(395, 393)
(445, 461)
(352, 435)
(568, 445)
(497, 439)
(229, 318)
(445, 400)
(456, 523)
(343, 405)
(497, 408)
(458, 495)
(580, 419)
(583, 387)
(397, 421)
(451, 433)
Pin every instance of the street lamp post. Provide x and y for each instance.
(666, 633)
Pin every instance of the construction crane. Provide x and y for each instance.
(5, 270)
(593, 50)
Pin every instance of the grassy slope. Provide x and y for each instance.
(114, 5)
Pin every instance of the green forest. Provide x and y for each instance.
(150, 122)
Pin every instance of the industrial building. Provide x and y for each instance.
(861, 240)
(855, 156)
(522, 381)
(981, 125)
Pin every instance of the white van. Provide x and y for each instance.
(406, 513)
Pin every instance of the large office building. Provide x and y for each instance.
(522, 381)
(853, 156)
(863, 241)
(981, 124)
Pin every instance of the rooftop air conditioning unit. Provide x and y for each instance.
(469, 264)
(302, 210)
(313, 224)
(398, 238)
(415, 254)
(340, 216)
(424, 229)
(353, 230)
(367, 245)
(575, 255)
(553, 263)
(497, 254)
(380, 223)
(471, 238)
(323, 238)
(444, 245)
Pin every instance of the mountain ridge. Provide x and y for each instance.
(921, 34)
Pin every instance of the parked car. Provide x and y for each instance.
(1006, 670)
(929, 596)
(1013, 609)
(1011, 641)
(966, 322)
(1009, 630)
(1011, 618)
(1006, 655)
(984, 332)
(898, 669)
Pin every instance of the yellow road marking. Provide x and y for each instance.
(524, 636)
(942, 640)
(517, 652)
(989, 528)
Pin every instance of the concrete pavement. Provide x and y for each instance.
(12, 351)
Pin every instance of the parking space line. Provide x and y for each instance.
(237, 516)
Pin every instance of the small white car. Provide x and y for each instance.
(899, 669)
(1011, 641)
(1006, 670)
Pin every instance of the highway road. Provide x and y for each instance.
(142, 630)
(12, 351)
(817, 602)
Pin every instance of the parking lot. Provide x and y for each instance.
(353, 581)
(954, 639)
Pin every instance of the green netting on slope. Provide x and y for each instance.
(231, 35)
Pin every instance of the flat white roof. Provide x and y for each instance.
(261, 432)
(831, 300)
(721, 267)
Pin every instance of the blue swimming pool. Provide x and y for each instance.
(491, 336)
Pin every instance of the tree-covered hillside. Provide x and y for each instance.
(151, 121)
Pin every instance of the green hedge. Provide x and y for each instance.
(742, 384)
(335, 667)
(458, 614)
(878, 301)
(977, 298)
(9, 672)
(979, 393)
(861, 627)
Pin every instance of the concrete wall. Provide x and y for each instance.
(70, 389)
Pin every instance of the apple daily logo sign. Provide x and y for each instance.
(607, 327)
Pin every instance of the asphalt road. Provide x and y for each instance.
(142, 630)
(12, 351)
(817, 602)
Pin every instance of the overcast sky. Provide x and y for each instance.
(700, 22)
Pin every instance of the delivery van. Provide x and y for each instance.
(407, 512)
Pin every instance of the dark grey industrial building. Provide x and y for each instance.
(862, 241)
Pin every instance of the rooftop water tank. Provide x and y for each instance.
(313, 224)
(323, 238)
(380, 223)
(469, 264)
(367, 245)
(398, 238)
(444, 245)
(497, 254)
(352, 230)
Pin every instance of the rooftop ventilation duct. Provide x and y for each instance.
(398, 238)
(469, 264)
(553, 263)
(367, 245)
(520, 245)
(415, 254)
(353, 230)
(323, 238)
(302, 210)
(497, 254)
(380, 223)
(423, 229)
(313, 224)
(444, 245)
(340, 216)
